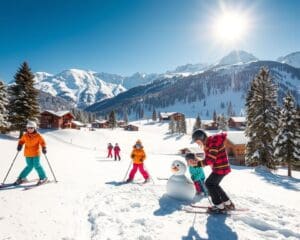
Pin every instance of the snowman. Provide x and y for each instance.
(178, 185)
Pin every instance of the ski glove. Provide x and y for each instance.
(44, 150)
(19, 148)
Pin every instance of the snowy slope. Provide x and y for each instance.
(292, 59)
(88, 204)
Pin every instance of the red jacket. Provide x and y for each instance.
(215, 154)
(117, 149)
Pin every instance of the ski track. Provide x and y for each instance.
(140, 212)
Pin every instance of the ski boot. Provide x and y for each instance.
(42, 181)
(20, 181)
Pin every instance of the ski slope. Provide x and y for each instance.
(88, 202)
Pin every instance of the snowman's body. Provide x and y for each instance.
(178, 185)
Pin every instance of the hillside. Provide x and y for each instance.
(87, 202)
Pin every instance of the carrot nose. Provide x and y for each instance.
(175, 169)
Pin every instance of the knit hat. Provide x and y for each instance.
(190, 156)
(31, 124)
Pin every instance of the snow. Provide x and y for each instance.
(292, 59)
(237, 57)
(237, 137)
(88, 202)
(59, 113)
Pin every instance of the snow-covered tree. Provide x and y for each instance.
(112, 122)
(197, 124)
(125, 117)
(230, 110)
(23, 102)
(262, 120)
(222, 123)
(287, 141)
(215, 116)
(154, 116)
(3, 108)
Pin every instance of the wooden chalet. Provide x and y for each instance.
(55, 120)
(166, 116)
(237, 123)
(77, 124)
(131, 127)
(209, 125)
(236, 146)
(100, 124)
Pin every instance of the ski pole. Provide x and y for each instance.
(127, 171)
(50, 168)
(206, 192)
(11, 167)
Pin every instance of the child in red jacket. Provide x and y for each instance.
(117, 150)
(216, 157)
(109, 149)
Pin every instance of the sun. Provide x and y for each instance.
(230, 27)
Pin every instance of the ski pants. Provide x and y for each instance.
(33, 162)
(215, 191)
(109, 153)
(139, 167)
(199, 185)
(117, 156)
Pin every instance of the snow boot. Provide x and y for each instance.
(229, 205)
(20, 181)
(42, 181)
(147, 180)
(217, 209)
(129, 180)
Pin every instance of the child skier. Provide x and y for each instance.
(32, 140)
(138, 156)
(216, 156)
(109, 149)
(197, 175)
(117, 150)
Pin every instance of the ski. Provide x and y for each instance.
(207, 207)
(36, 185)
(189, 209)
(160, 178)
(13, 185)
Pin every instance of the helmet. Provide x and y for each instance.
(199, 134)
(31, 124)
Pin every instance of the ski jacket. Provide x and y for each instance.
(117, 149)
(110, 147)
(215, 154)
(32, 143)
(197, 173)
(138, 155)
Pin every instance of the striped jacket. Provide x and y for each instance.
(215, 154)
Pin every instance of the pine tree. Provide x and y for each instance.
(126, 117)
(197, 124)
(3, 108)
(23, 104)
(230, 110)
(154, 116)
(112, 122)
(215, 116)
(262, 122)
(222, 123)
(287, 141)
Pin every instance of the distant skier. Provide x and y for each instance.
(216, 156)
(197, 175)
(138, 156)
(32, 140)
(109, 149)
(117, 150)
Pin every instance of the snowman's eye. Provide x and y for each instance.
(177, 165)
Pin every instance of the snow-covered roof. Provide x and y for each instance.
(207, 122)
(79, 124)
(59, 113)
(239, 119)
(166, 114)
(237, 137)
(100, 121)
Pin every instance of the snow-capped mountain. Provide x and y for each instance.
(237, 57)
(292, 59)
(82, 88)
(213, 90)
(190, 68)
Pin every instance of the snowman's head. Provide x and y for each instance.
(178, 167)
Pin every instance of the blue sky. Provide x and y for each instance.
(124, 37)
